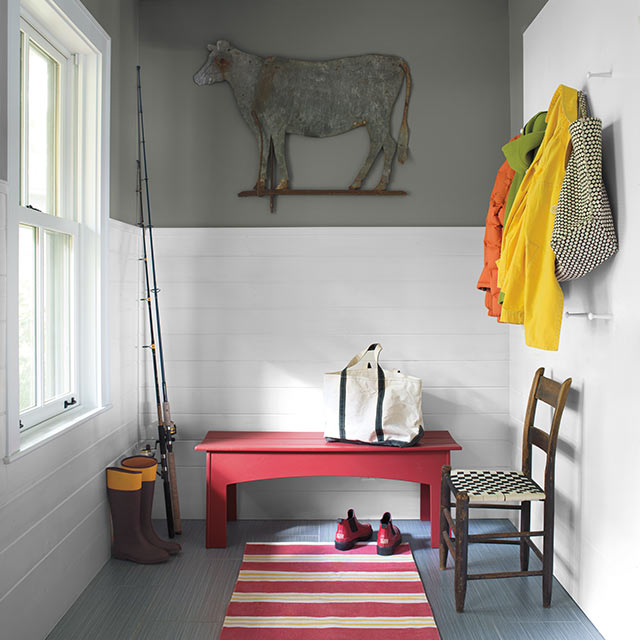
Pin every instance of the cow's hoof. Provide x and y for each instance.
(381, 186)
(355, 186)
(282, 185)
(259, 186)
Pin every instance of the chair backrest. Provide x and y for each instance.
(554, 394)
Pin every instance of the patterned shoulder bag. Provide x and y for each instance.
(583, 234)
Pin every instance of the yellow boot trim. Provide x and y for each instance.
(124, 479)
(146, 464)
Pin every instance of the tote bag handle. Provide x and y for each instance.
(371, 353)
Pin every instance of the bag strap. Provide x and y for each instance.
(583, 110)
(370, 354)
(373, 353)
(379, 431)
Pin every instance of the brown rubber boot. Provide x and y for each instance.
(124, 490)
(148, 466)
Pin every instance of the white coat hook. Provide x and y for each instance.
(599, 74)
(589, 316)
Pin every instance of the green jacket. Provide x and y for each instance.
(520, 153)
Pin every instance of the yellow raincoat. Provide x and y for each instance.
(526, 268)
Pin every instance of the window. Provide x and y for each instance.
(58, 79)
(46, 338)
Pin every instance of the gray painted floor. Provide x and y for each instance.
(186, 598)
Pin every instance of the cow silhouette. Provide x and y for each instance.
(277, 96)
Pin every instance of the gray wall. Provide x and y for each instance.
(201, 154)
(119, 18)
(521, 15)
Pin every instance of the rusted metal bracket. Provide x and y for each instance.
(273, 193)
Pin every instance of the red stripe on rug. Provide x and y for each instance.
(328, 566)
(329, 587)
(279, 569)
(366, 548)
(341, 609)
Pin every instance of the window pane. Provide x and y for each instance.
(41, 132)
(27, 315)
(56, 314)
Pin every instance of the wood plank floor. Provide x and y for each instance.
(186, 598)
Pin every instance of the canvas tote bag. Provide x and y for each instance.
(366, 403)
(583, 232)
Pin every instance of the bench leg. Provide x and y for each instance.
(430, 509)
(425, 502)
(216, 508)
(232, 509)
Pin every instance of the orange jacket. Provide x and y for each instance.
(493, 239)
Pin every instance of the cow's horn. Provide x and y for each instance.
(223, 44)
(211, 47)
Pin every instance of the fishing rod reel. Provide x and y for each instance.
(148, 451)
(172, 430)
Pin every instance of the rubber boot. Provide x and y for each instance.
(124, 491)
(389, 536)
(350, 531)
(148, 465)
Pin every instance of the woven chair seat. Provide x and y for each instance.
(495, 485)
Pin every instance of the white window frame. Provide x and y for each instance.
(70, 28)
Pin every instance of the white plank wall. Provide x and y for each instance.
(252, 318)
(55, 532)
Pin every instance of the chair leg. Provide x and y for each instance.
(547, 552)
(445, 495)
(525, 525)
(462, 543)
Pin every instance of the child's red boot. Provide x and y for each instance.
(389, 536)
(351, 531)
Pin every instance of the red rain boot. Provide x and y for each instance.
(351, 531)
(389, 536)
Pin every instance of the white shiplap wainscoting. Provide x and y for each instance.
(252, 318)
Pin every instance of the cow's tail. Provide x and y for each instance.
(403, 137)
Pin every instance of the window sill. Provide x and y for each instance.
(39, 436)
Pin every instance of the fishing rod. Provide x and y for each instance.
(166, 426)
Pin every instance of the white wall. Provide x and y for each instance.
(253, 317)
(55, 532)
(597, 466)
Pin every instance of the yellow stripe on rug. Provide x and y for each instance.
(388, 598)
(300, 622)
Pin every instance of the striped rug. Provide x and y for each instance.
(305, 591)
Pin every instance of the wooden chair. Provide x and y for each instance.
(479, 488)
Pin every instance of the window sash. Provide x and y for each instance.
(60, 217)
(49, 407)
(64, 166)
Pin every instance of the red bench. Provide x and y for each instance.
(244, 456)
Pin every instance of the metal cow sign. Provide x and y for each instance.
(277, 96)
